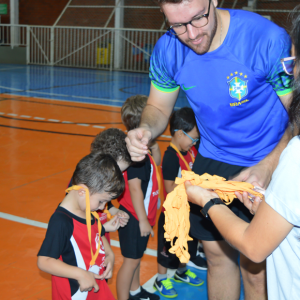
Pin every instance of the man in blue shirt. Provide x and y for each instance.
(228, 64)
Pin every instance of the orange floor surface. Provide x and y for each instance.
(39, 151)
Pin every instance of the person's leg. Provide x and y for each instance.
(135, 284)
(223, 273)
(125, 277)
(254, 279)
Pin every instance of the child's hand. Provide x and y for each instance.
(112, 225)
(87, 281)
(123, 217)
(146, 228)
(109, 264)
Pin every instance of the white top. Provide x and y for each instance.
(283, 195)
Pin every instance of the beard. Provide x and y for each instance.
(204, 46)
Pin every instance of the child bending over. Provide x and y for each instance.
(75, 251)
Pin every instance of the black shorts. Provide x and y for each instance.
(132, 244)
(164, 257)
(203, 228)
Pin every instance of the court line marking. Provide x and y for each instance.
(84, 102)
(38, 224)
(64, 122)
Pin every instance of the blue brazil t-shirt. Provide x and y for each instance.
(234, 89)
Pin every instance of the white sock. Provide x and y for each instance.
(161, 277)
(133, 293)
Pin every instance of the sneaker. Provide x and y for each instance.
(165, 288)
(198, 262)
(144, 295)
(188, 277)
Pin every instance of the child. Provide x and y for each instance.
(180, 155)
(73, 250)
(140, 202)
(112, 141)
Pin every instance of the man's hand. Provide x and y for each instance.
(87, 281)
(146, 228)
(137, 141)
(260, 173)
(198, 195)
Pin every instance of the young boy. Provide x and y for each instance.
(73, 250)
(112, 141)
(140, 202)
(180, 155)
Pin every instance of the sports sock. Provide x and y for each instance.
(133, 293)
(182, 270)
(161, 277)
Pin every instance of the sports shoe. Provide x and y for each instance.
(165, 288)
(198, 262)
(188, 277)
(144, 295)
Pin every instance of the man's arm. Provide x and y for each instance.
(261, 173)
(154, 121)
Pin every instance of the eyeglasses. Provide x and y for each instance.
(288, 64)
(198, 22)
(194, 141)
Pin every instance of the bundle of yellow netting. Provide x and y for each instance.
(177, 209)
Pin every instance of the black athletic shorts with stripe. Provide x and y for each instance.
(203, 228)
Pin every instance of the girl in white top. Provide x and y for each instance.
(274, 232)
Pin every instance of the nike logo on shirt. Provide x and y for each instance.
(187, 88)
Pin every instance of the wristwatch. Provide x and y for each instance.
(209, 204)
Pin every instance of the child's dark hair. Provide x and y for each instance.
(100, 173)
(131, 111)
(112, 141)
(182, 119)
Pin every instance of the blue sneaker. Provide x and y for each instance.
(188, 277)
(165, 288)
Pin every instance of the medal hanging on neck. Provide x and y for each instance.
(88, 221)
(181, 156)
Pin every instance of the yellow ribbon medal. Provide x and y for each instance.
(181, 156)
(89, 221)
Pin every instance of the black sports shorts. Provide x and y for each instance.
(132, 244)
(164, 257)
(203, 228)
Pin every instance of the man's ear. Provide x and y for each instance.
(215, 3)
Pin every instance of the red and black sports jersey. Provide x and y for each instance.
(146, 172)
(67, 239)
(172, 164)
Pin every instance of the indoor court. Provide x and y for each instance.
(49, 117)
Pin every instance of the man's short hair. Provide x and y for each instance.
(112, 141)
(100, 173)
(182, 119)
(131, 111)
(160, 2)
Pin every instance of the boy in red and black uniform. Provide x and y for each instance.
(139, 201)
(180, 155)
(74, 251)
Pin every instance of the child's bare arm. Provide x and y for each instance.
(109, 259)
(156, 153)
(170, 185)
(56, 267)
(137, 198)
(113, 210)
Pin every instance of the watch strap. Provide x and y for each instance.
(209, 204)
